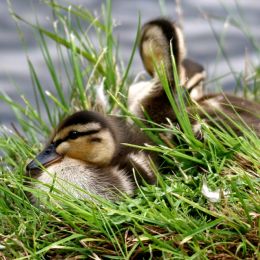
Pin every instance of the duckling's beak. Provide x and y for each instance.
(47, 157)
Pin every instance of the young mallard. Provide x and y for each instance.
(150, 96)
(87, 155)
(159, 38)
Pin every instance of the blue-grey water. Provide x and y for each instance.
(200, 39)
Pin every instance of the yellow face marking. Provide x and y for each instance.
(154, 48)
(96, 149)
(151, 54)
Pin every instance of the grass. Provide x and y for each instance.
(172, 220)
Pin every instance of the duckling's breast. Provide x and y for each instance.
(82, 181)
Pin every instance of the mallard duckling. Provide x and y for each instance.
(86, 156)
(150, 96)
(155, 48)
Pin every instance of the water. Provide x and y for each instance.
(201, 43)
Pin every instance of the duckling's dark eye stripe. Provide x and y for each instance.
(90, 132)
(78, 134)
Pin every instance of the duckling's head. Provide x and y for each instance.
(155, 40)
(87, 136)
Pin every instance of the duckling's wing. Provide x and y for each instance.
(195, 76)
(129, 157)
(230, 110)
(141, 163)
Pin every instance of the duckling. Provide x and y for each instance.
(155, 47)
(86, 156)
(150, 96)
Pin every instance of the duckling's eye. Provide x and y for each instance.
(74, 135)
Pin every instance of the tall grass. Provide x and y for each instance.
(172, 220)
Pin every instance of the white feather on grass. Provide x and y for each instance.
(212, 196)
